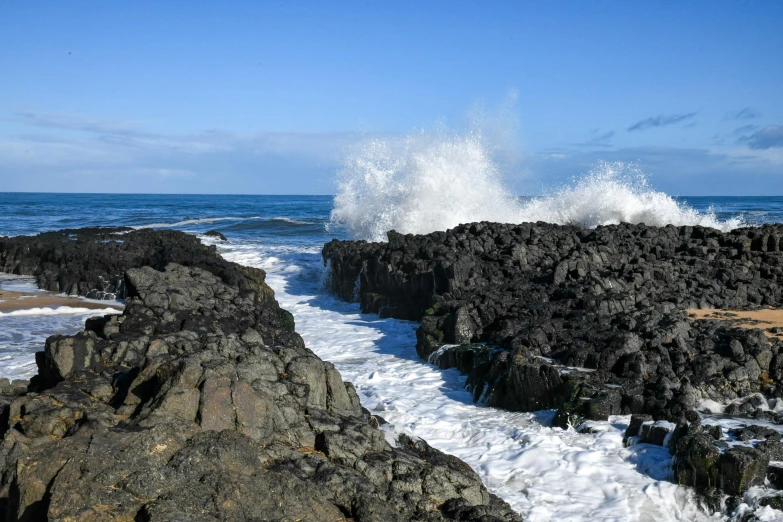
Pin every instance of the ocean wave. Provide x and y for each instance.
(196, 221)
(292, 221)
(436, 181)
(617, 192)
(16, 283)
(60, 310)
(238, 223)
(276, 227)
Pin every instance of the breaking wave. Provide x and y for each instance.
(291, 221)
(435, 181)
(60, 310)
(197, 221)
(617, 192)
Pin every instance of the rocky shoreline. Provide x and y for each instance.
(91, 262)
(596, 323)
(199, 402)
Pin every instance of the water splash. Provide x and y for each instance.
(418, 184)
(613, 193)
(432, 181)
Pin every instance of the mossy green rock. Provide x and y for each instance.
(289, 324)
(696, 462)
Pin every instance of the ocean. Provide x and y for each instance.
(545, 473)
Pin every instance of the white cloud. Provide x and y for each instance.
(674, 170)
(73, 153)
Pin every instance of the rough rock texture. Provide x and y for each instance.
(708, 459)
(215, 234)
(91, 261)
(199, 403)
(591, 322)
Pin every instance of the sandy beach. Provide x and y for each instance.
(12, 301)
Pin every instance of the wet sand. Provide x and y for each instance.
(768, 319)
(12, 301)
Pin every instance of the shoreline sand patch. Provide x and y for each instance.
(770, 320)
(15, 301)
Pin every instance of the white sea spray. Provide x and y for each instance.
(429, 181)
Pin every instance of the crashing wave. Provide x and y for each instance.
(434, 181)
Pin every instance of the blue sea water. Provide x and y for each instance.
(753, 210)
(275, 219)
(302, 220)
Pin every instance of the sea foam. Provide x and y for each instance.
(60, 310)
(195, 221)
(432, 181)
(544, 473)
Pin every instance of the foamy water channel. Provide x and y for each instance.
(544, 473)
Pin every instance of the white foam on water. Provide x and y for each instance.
(750, 506)
(545, 473)
(431, 181)
(17, 283)
(291, 221)
(710, 406)
(728, 423)
(60, 310)
(24, 332)
(198, 221)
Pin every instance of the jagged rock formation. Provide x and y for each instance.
(200, 402)
(591, 322)
(91, 261)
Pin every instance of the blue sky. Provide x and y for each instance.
(267, 97)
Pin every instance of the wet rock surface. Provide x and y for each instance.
(215, 234)
(712, 459)
(201, 402)
(590, 322)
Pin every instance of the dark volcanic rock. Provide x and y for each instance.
(610, 300)
(592, 322)
(215, 234)
(701, 463)
(200, 403)
(91, 261)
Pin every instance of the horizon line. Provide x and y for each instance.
(316, 195)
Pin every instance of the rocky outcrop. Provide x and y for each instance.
(200, 402)
(712, 459)
(215, 235)
(91, 261)
(591, 322)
